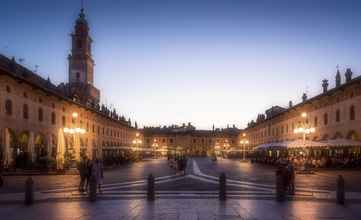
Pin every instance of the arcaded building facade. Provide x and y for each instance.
(188, 140)
(40, 121)
(335, 114)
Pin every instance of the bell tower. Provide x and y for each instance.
(81, 64)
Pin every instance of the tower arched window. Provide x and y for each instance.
(77, 75)
(338, 116)
(8, 107)
(352, 113)
(40, 114)
(79, 44)
(25, 111)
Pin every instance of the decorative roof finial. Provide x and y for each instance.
(82, 15)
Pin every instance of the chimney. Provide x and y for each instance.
(304, 97)
(325, 85)
(338, 78)
(290, 104)
(348, 75)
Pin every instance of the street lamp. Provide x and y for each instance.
(75, 131)
(304, 128)
(243, 143)
(137, 141)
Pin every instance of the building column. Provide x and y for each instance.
(49, 146)
(77, 147)
(60, 150)
(89, 148)
(8, 159)
(31, 146)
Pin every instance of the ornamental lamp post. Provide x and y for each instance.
(75, 131)
(304, 128)
(243, 144)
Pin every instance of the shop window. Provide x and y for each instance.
(338, 115)
(8, 107)
(8, 89)
(63, 119)
(352, 113)
(53, 118)
(325, 119)
(40, 114)
(25, 111)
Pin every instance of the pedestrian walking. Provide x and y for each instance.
(89, 167)
(1, 174)
(82, 173)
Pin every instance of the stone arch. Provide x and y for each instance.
(352, 135)
(337, 135)
(40, 148)
(325, 137)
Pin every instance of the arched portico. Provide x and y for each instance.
(352, 135)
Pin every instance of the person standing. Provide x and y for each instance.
(99, 174)
(292, 176)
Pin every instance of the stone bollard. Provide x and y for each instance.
(222, 187)
(150, 188)
(280, 190)
(29, 191)
(92, 189)
(340, 191)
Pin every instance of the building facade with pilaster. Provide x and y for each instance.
(42, 123)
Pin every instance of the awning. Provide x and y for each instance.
(271, 145)
(305, 144)
(291, 144)
(342, 143)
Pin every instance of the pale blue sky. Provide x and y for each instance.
(206, 62)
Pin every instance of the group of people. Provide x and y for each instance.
(312, 162)
(286, 174)
(88, 170)
(179, 163)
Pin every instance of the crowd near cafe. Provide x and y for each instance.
(337, 153)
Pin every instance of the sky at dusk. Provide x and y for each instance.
(206, 62)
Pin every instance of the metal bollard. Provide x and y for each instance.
(29, 191)
(150, 188)
(222, 187)
(92, 189)
(280, 190)
(340, 191)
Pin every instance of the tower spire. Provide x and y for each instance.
(82, 14)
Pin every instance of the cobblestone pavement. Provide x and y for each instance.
(130, 172)
(244, 181)
(181, 209)
(259, 173)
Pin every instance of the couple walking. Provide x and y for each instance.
(286, 177)
(89, 169)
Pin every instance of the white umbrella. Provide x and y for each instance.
(60, 150)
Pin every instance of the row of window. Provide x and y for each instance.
(40, 113)
(25, 112)
(325, 117)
